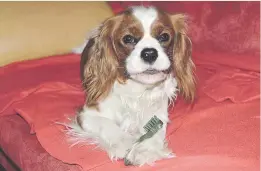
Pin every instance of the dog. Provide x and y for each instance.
(132, 68)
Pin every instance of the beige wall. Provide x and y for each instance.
(31, 30)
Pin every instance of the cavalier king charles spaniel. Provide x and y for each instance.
(132, 68)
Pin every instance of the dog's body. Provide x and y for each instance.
(121, 117)
(130, 73)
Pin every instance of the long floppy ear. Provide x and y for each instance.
(99, 65)
(182, 63)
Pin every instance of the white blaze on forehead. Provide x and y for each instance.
(146, 16)
(135, 65)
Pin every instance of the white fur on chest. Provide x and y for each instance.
(121, 117)
(132, 104)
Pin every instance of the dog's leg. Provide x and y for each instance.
(105, 133)
(154, 148)
(150, 150)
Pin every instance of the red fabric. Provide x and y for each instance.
(244, 62)
(228, 84)
(25, 150)
(224, 134)
(18, 80)
(4, 162)
(221, 28)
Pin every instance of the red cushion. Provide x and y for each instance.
(24, 149)
(207, 135)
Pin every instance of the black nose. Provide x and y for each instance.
(149, 55)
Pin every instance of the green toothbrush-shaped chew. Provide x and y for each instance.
(151, 128)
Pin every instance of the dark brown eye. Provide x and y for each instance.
(128, 39)
(163, 37)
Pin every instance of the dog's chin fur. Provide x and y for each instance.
(149, 79)
(120, 120)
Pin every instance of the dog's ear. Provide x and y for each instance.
(182, 63)
(99, 64)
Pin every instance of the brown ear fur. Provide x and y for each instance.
(99, 65)
(182, 63)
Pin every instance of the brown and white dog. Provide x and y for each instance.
(132, 67)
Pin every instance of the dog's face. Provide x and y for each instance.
(142, 44)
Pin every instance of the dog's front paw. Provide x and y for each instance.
(120, 149)
(140, 155)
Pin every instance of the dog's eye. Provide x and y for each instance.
(163, 37)
(128, 39)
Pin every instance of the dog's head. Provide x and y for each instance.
(143, 44)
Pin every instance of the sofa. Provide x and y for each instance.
(40, 86)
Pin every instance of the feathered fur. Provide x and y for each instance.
(123, 90)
